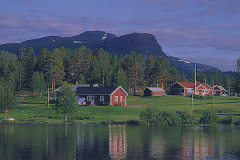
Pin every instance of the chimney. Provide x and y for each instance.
(76, 82)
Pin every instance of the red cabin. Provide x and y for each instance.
(185, 88)
(102, 95)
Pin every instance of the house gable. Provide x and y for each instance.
(177, 85)
(118, 97)
(200, 87)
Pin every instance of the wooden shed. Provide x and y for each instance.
(153, 91)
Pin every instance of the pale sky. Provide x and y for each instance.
(202, 31)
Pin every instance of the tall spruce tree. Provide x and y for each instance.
(30, 65)
(55, 69)
(133, 65)
(184, 78)
(21, 67)
(7, 96)
(94, 72)
(149, 71)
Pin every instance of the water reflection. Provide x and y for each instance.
(116, 142)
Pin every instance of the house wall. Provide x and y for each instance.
(176, 89)
(158, 93)
(218, 93)
(97, 99)
(147, 93)
(118, 93)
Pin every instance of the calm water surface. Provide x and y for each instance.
(60, 142)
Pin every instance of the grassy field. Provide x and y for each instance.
(35, 110)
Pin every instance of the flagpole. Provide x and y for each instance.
(48, 96)
(195, 79)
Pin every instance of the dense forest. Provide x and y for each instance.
(133, 71)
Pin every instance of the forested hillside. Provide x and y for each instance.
(141, 43)
(132, 71)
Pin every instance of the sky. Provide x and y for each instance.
(201, 31)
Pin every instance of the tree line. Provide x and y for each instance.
(134, 72)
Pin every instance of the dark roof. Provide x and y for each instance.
(74, 86)
(95, 90)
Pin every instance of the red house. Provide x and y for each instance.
(219, 91)
(102, 95)
(185, 88)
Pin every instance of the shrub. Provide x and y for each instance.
(186, 116)
(133, 122)
(146, 116)
(236, 121)
(227, 120)
(209, 117)
(165, 117)
(107, 122)
(224, 110)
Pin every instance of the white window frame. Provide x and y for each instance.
(90, 98)
(101, 98)
(121, 98)
(116, 98)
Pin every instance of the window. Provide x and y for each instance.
(101, 98)
(121, 98)
(90, 98)
(116, 98)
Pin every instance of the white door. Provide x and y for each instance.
(91, 99)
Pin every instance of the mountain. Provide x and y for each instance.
(142, 43)
(89, 38)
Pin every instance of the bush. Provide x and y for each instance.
(152, 116)
(209, 117)
(107, 122)
(224, 110)
(200, 96)
(227, 120)
(168, 118)
(186, 116)
(236, 121)
(133, 122)
(146, 116)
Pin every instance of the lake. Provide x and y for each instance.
(67, 142)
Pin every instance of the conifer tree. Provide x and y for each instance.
(21, 67)
(81, 79)
(35, 83)
(94, 72)
(149, 71)
(161, 70)
(55, 69)
(104, 64)
(133, 65)
(7, 96)
(29, 67)
(184, 78)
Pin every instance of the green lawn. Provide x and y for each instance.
(178, 102)
(38, 112)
